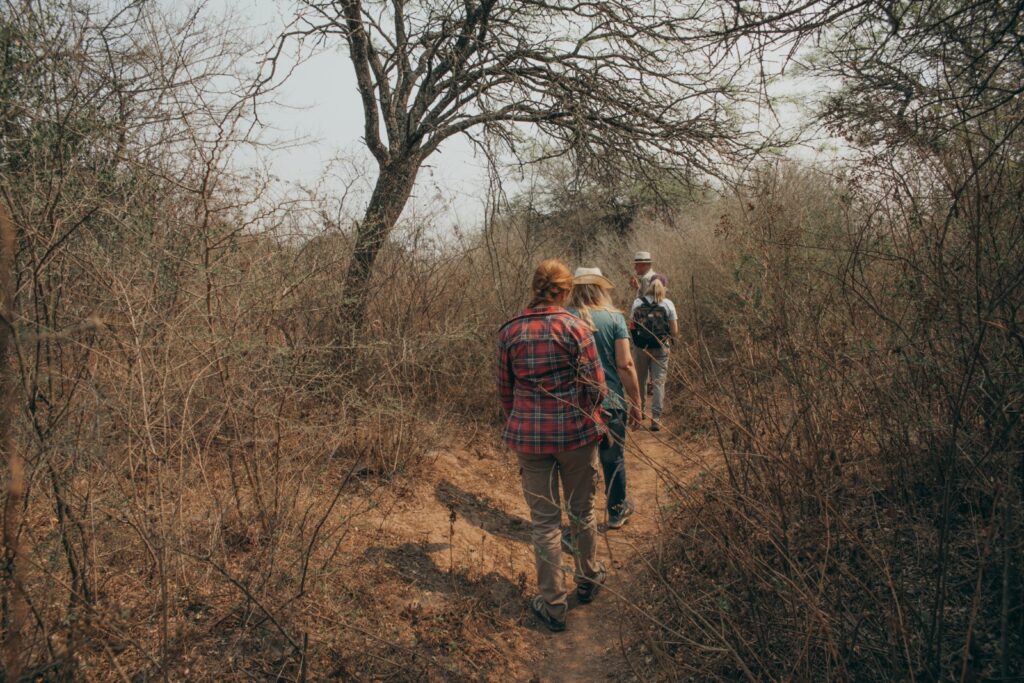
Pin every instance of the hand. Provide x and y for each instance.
(633, 282)
(635, 417)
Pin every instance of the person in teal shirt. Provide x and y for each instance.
(590, 301)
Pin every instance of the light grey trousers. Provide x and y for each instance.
(654, 362)
(578, 473)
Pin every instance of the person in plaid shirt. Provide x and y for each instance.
(551, 385)
(550, 380)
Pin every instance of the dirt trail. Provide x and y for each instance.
(463, 530)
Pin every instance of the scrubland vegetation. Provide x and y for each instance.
(193, 431)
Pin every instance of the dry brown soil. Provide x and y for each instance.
(457, 547)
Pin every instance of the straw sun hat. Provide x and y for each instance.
(591, 276)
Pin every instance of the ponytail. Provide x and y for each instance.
(551, 279)
(657, 291)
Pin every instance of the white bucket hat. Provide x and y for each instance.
(642, 257)
(591, 276)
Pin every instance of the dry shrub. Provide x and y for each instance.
(196, 445)
(862, 380)
(211, 464)
(202, 453)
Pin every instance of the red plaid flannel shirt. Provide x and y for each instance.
(550, 380)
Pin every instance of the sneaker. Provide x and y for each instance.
(586, 591)
(567, 545)
(655, 426)
(616, 521)
(540, 610)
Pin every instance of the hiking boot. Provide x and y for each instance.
(655, 425)
(616, 520)
(540, 610)
(586, 591)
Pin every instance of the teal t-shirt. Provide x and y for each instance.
(610, 326)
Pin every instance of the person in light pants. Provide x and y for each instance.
(551, 386)
(653, 361)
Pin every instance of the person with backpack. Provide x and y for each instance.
(590, 300)
(551, 386)
(654, 326)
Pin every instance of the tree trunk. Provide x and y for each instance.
(391, 192)
(13, 596)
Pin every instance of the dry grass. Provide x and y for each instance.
(867, 522)
(198, 488)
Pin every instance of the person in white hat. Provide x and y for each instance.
(590, 300)
(644, 273)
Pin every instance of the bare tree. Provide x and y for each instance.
(613, 79)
